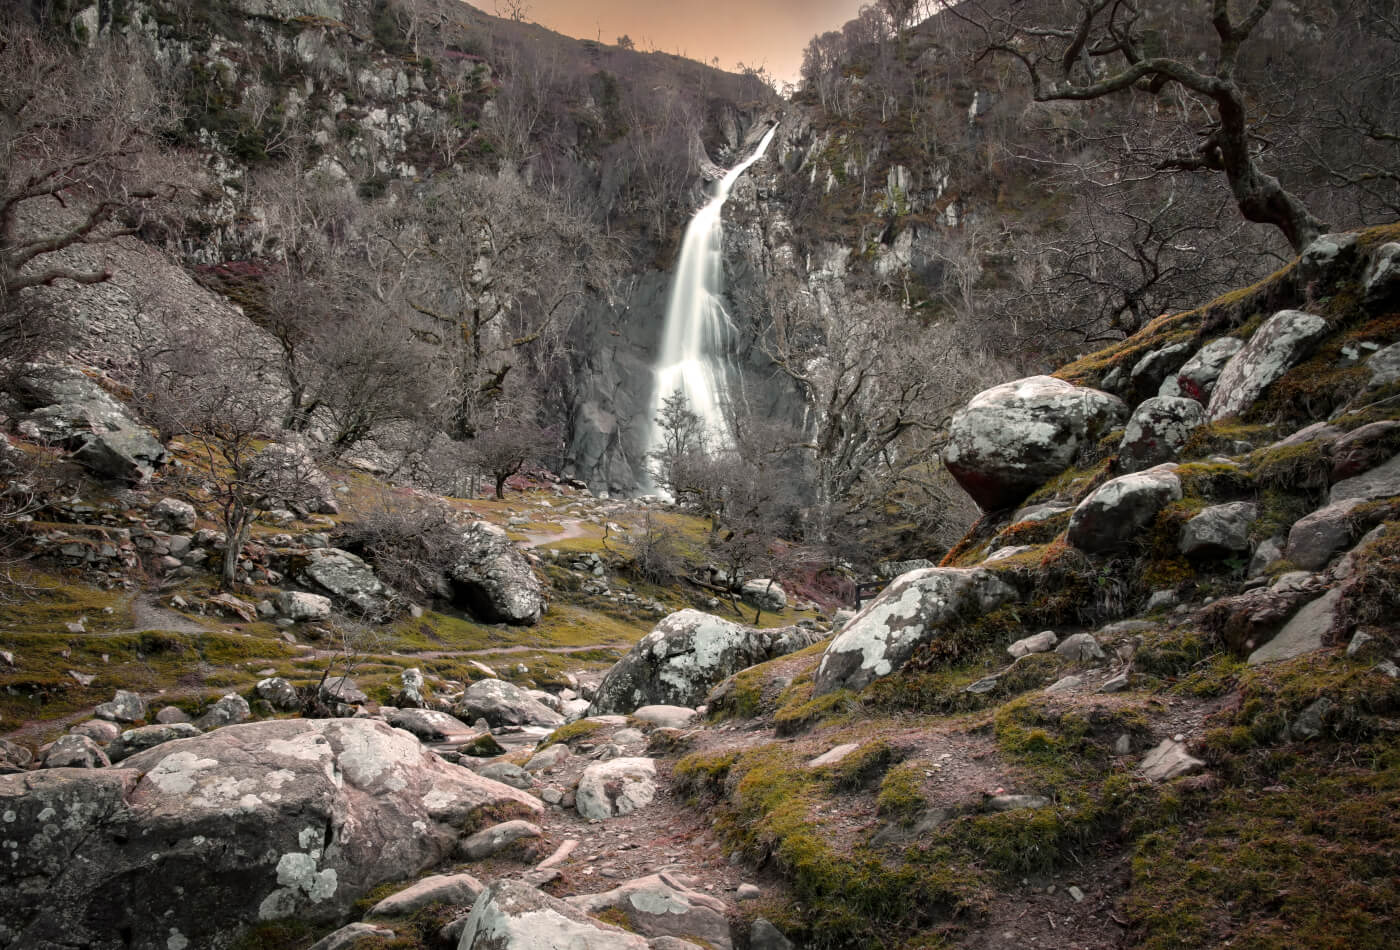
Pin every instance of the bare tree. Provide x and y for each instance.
(1092, 49)
(80, 155)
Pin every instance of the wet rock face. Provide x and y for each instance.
(909, 612)
(1281, 343)
(494, 579)
(184, 844)
(686, 655)
(1011, 439)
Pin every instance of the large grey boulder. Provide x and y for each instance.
(67, 407)
(616, 787)
(1116, 513)
(461, 889)
(1307, 631)
(137, 740)
(430, 725)
(512, 915)
(185, 844)
(301, 606)
(1315, 538)
(1157, 431)
(907, 613)
(1009, 440)
(764, 593)
(494, 580)
(687, 654)
(75, 751)
(1219, 529)
(348, 579)
(1196, 380)
(504, 704)
(661, 905)
(1281, 343)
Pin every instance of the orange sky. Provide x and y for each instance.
(770, 33)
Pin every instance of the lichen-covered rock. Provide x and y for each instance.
(186, 843)
(137, 740)
(512, 915)
(1382, 279)
(616, 787)
(1219, 529)
(660, 905)
(494, 580)
(348, 579)
(125, 706)
(1115, 514)
(504, 704)
(430, 725)
(687, 654)
(75, 751)
(764, 593)
(279, 693)
(1196, 380)
(1276, 347)
(1158, 429)
(301, 606)
(1149, 372)
(909, 612)
(229, 710)
(1012, 438)
(411, 686)
(174, 514)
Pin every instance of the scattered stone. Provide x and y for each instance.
(1115, 685)
(350, 936)
(174, 515)
(670, 717)
(14, 757)
(100, 731)
(1315, 538)
(1309, 723)
(1220, 529)
(1042, 642)
(1357, 644)
(1268, 553)
(1162, 600)
(1158, 430)
(301, 607)
(1306, 632)
(1080, 648)
(169, 715)
(1169, 760)
(140, 739)
(504, 704)
(83, 679)
(1075, 893)
(985, 685)
(1281, 343)
(497, 838)
(660, 905)
(342, 689)
(430, 725)
(1015, 802)
(547, 760)
(411, 685)
(1010, 439)
(124, 707)
(74, 751)
(833, 756)
(1116, 513)
(436, 889)
(909, 612)
(615, 788)
(508, 773)
(278, 693)
(228, 710)
(764, 593)
(685, 656)
(748, 892)
(1065, 684)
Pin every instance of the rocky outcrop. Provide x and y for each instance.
(1275, 348)
(685, 655)
(1012, 438)
(186, 843)
(67, 407)
(511, 915)
(494, 580)
(909, 612)
(661, 905)
(348, 579)
(1196, 380)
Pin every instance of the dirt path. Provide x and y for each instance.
(572, 529)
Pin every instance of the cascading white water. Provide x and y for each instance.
(698, 332)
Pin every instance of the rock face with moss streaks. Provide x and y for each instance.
(1276, 347)
(1012, 438)
(911, 611)
(184, 844)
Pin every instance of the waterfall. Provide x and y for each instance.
(698, 333)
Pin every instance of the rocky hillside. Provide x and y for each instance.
(1149, 700)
